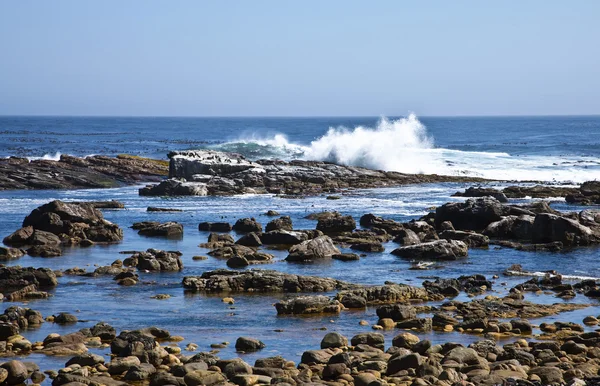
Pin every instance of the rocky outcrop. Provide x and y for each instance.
(385, 294)
(76, 173)
(472, 239)
(336, 224)
(318, 248)
(434, 250)
(154, 260)
(482, 192)
(62, 223)
(7, 254)
(170, 229)
(307, 305)
(260, 281)
(473, 214)
(18, 283)
(206, 172)
(283, 223)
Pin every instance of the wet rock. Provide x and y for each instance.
(65, 318)
(229, 251)
(215, 227)
(283, 237)
(548, 375)
(334, 340)
(336, 224)
(396, 312)
(156, 209)
(390, 226)
(104, 331)
(400, 363)
(346, 257)
(44, 251)
(386, 294)
(248, 344)
(15, 278)
(472, 239)
(372, 339)
(439, 249)
(254, 258)
(305, 305)
(203, 377)
(250, 240)
(549, 228)
(85, 360)
(260, 281)
(155, 260)
(7, 330)
(7, 254)
(474, 214)
(318, 248)
(174, 187)
(371, 246)
(407, 237)
(405, 340)
(482, 192)
(247, 225)
(74, 222)
(282, 223)
(139, 372)
(170, 229)
(16, 372)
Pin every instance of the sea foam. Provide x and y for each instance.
(404, 145)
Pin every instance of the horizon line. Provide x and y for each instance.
(294, 116)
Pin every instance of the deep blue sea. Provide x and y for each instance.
(519, 148)
(552, 149)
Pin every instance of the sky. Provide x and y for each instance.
(304, 58)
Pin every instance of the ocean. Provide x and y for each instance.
(560, 149)
(549, 149)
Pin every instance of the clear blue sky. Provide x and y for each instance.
(245, 58)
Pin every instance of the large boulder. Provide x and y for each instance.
(473, 214)
(215, 226)
(306, 305)
(247, 225)
(318, 248)
(175, 187)
(472, 239)
(155, 260)
(549, 227)
(69, 223)
(170, 229)
(511, 227)
(248, 344)
(282, 223)
(260, 281)
(434, 250)
(7, 254)
(283, 237)
(336, 224)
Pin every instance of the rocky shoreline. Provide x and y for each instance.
(79, 173)
(546, 354)
(205, 172)
(511, 348)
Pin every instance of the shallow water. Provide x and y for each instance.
(204, 319)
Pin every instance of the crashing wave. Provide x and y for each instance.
(403, 145)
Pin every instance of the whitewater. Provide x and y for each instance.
(404, 145)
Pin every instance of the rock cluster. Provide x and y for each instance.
(58, 223)
(76, 173)
(207, 172)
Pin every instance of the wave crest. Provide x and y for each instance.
(404, 145)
